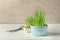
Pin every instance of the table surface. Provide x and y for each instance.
(21, 35)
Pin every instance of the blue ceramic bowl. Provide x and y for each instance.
(39, 31)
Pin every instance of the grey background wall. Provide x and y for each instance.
(14, 11)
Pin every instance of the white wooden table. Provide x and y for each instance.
(53, 29)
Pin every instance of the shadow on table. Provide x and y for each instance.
(53, 34)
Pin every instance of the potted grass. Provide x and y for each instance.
(37, 24)
(27, 25)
